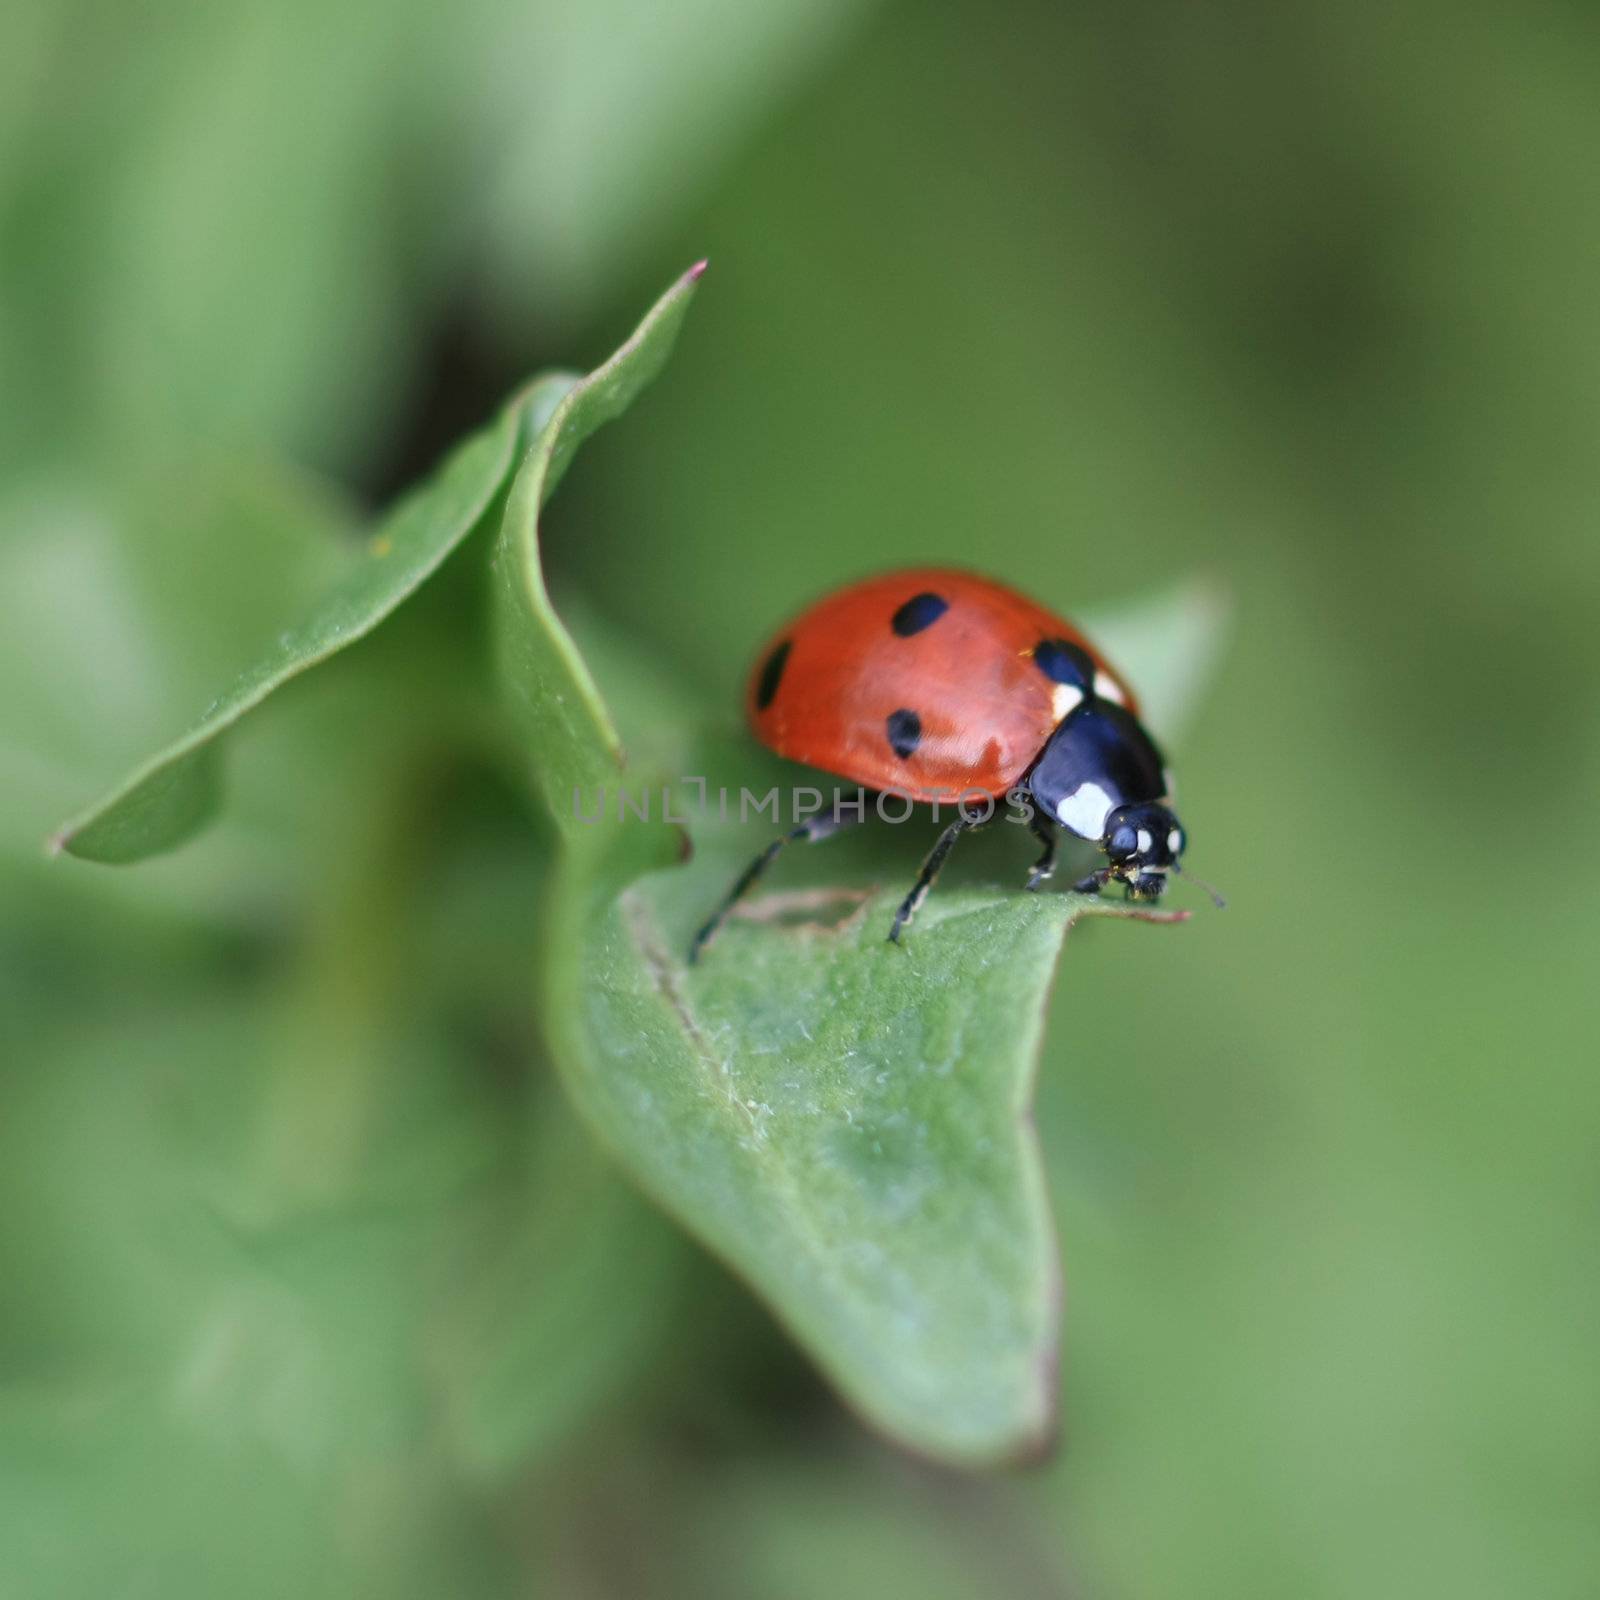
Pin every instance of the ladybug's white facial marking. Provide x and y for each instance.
(1145, 841)
(1085, 810)
(1065, 698)
(1107, 688)
(1175, 840)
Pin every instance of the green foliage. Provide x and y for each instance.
(845, 1121)
(313, 1279)
(848, 1124)
(165, 800)
(570, 737)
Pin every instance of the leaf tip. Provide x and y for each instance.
(698, 270)
(1038, 1448)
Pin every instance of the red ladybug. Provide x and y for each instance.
(939, 685)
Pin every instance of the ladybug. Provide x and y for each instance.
(942, 686)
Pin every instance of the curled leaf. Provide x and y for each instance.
(843, 1121)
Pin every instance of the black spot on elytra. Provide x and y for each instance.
(905, 732)
(1062, 662)
(771, 675)
(919, 612)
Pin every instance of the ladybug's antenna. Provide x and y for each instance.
(1200, 883)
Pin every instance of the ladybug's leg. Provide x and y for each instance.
(1094, 883)
(811, 830)
(930, 870)
(1045, 831)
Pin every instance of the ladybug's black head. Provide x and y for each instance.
(1101, 777)
(1142, 844)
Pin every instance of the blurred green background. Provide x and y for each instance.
(308, 1283)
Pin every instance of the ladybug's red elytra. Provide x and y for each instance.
(938, 684)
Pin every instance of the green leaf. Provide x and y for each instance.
(843, 1121)
(847, 1123)
(164, 801)
(569, 728)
